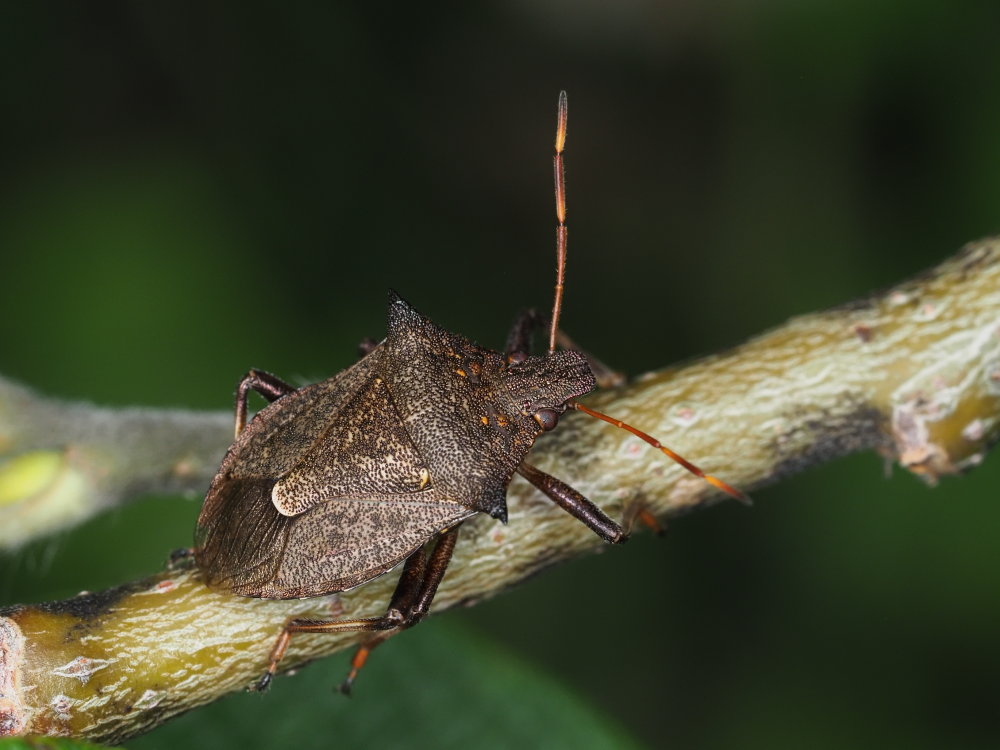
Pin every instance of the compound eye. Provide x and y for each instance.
(516, 358)
(547, 418)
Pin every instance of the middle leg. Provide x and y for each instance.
(410, 602)
(267, 385)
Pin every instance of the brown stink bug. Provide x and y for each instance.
(334, 484)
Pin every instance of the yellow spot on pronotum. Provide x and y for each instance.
(460, 373)
(28, 474)
(484, 420)
(425, 478)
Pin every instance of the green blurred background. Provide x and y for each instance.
(189, 190)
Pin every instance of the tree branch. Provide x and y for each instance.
(61, 463)
(913, 372)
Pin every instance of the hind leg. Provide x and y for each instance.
(410, 603)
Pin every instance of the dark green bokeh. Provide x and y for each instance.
(191, 191)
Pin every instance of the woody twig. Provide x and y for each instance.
(913, 372)
(61, 463)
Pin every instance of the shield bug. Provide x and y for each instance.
(336, 483)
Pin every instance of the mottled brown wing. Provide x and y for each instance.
(310, 509)
(359, 501)
(364, 452)
(334, 546)
(281, 433)
(343, 543)
(240, 538)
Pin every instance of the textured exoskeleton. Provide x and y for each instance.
(337, 482)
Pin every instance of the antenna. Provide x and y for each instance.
(714, 481)
(560, 180)
(560, 185)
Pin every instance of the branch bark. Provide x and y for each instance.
(913, 372)
(61, 463)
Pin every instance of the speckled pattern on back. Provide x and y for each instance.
(338, 482)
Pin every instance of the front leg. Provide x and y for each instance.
(575, 504)
(589, 514)
(266, 384)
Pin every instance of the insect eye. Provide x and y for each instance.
(516, 358)
(547, 418)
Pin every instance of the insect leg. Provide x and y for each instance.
(402, 599)
(409, 604)
(437, 564)
(412, 598)
(384, 622)
(522, 334)
(181, 559)
(366, 346)
(266, 384)
(605, 376)
(574, 503)
(637, 511)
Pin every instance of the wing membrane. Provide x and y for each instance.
(242, 555)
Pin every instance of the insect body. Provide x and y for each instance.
(336, 483)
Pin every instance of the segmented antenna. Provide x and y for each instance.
(714, 481)
(560, 180)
